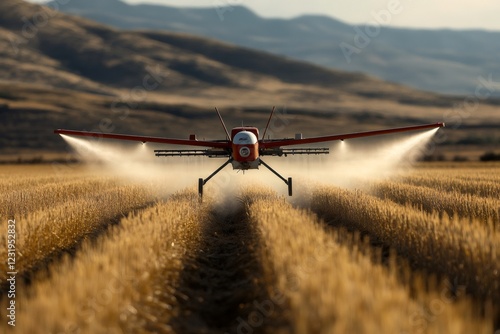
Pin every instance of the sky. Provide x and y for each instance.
(455, 14)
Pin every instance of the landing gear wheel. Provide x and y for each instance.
(289, 186)
(200, 188)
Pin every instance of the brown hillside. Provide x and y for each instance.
(61, 71)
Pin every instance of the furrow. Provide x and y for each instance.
(221, 282)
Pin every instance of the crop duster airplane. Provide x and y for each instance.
(242, 147)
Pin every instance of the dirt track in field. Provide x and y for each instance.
(219, 285)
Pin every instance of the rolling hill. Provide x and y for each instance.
(445, 61)
(99, 57)
(63, 71)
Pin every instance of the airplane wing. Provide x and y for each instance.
(144, 139)
(287, 142)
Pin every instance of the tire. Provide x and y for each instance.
(290, 190)
(200, 187)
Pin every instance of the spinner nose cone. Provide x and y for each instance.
(245, 152)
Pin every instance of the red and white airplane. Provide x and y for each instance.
(242, 147)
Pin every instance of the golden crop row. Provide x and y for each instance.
(323, 279)
(460, 249)
(452, 183)
(486, 210)
(23, 201)
(124, 281)
(331, 287)
(470, 171)
(53, 218)
(14, 178)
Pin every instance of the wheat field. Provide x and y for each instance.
(93, 254)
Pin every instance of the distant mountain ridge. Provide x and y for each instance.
(444, 61)
(70, 50)
(74, 52)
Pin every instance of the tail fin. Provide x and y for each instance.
(268, 122)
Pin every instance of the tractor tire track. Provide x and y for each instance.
(222, 283)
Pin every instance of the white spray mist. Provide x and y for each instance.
(349, 164)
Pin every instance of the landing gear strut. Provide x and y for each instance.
(287, 182)
(202, 182)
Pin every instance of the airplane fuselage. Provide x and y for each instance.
(245, 148)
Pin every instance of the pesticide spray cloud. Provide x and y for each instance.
(379, 159)
(354, 163)
(350, 164)
(136, 163)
